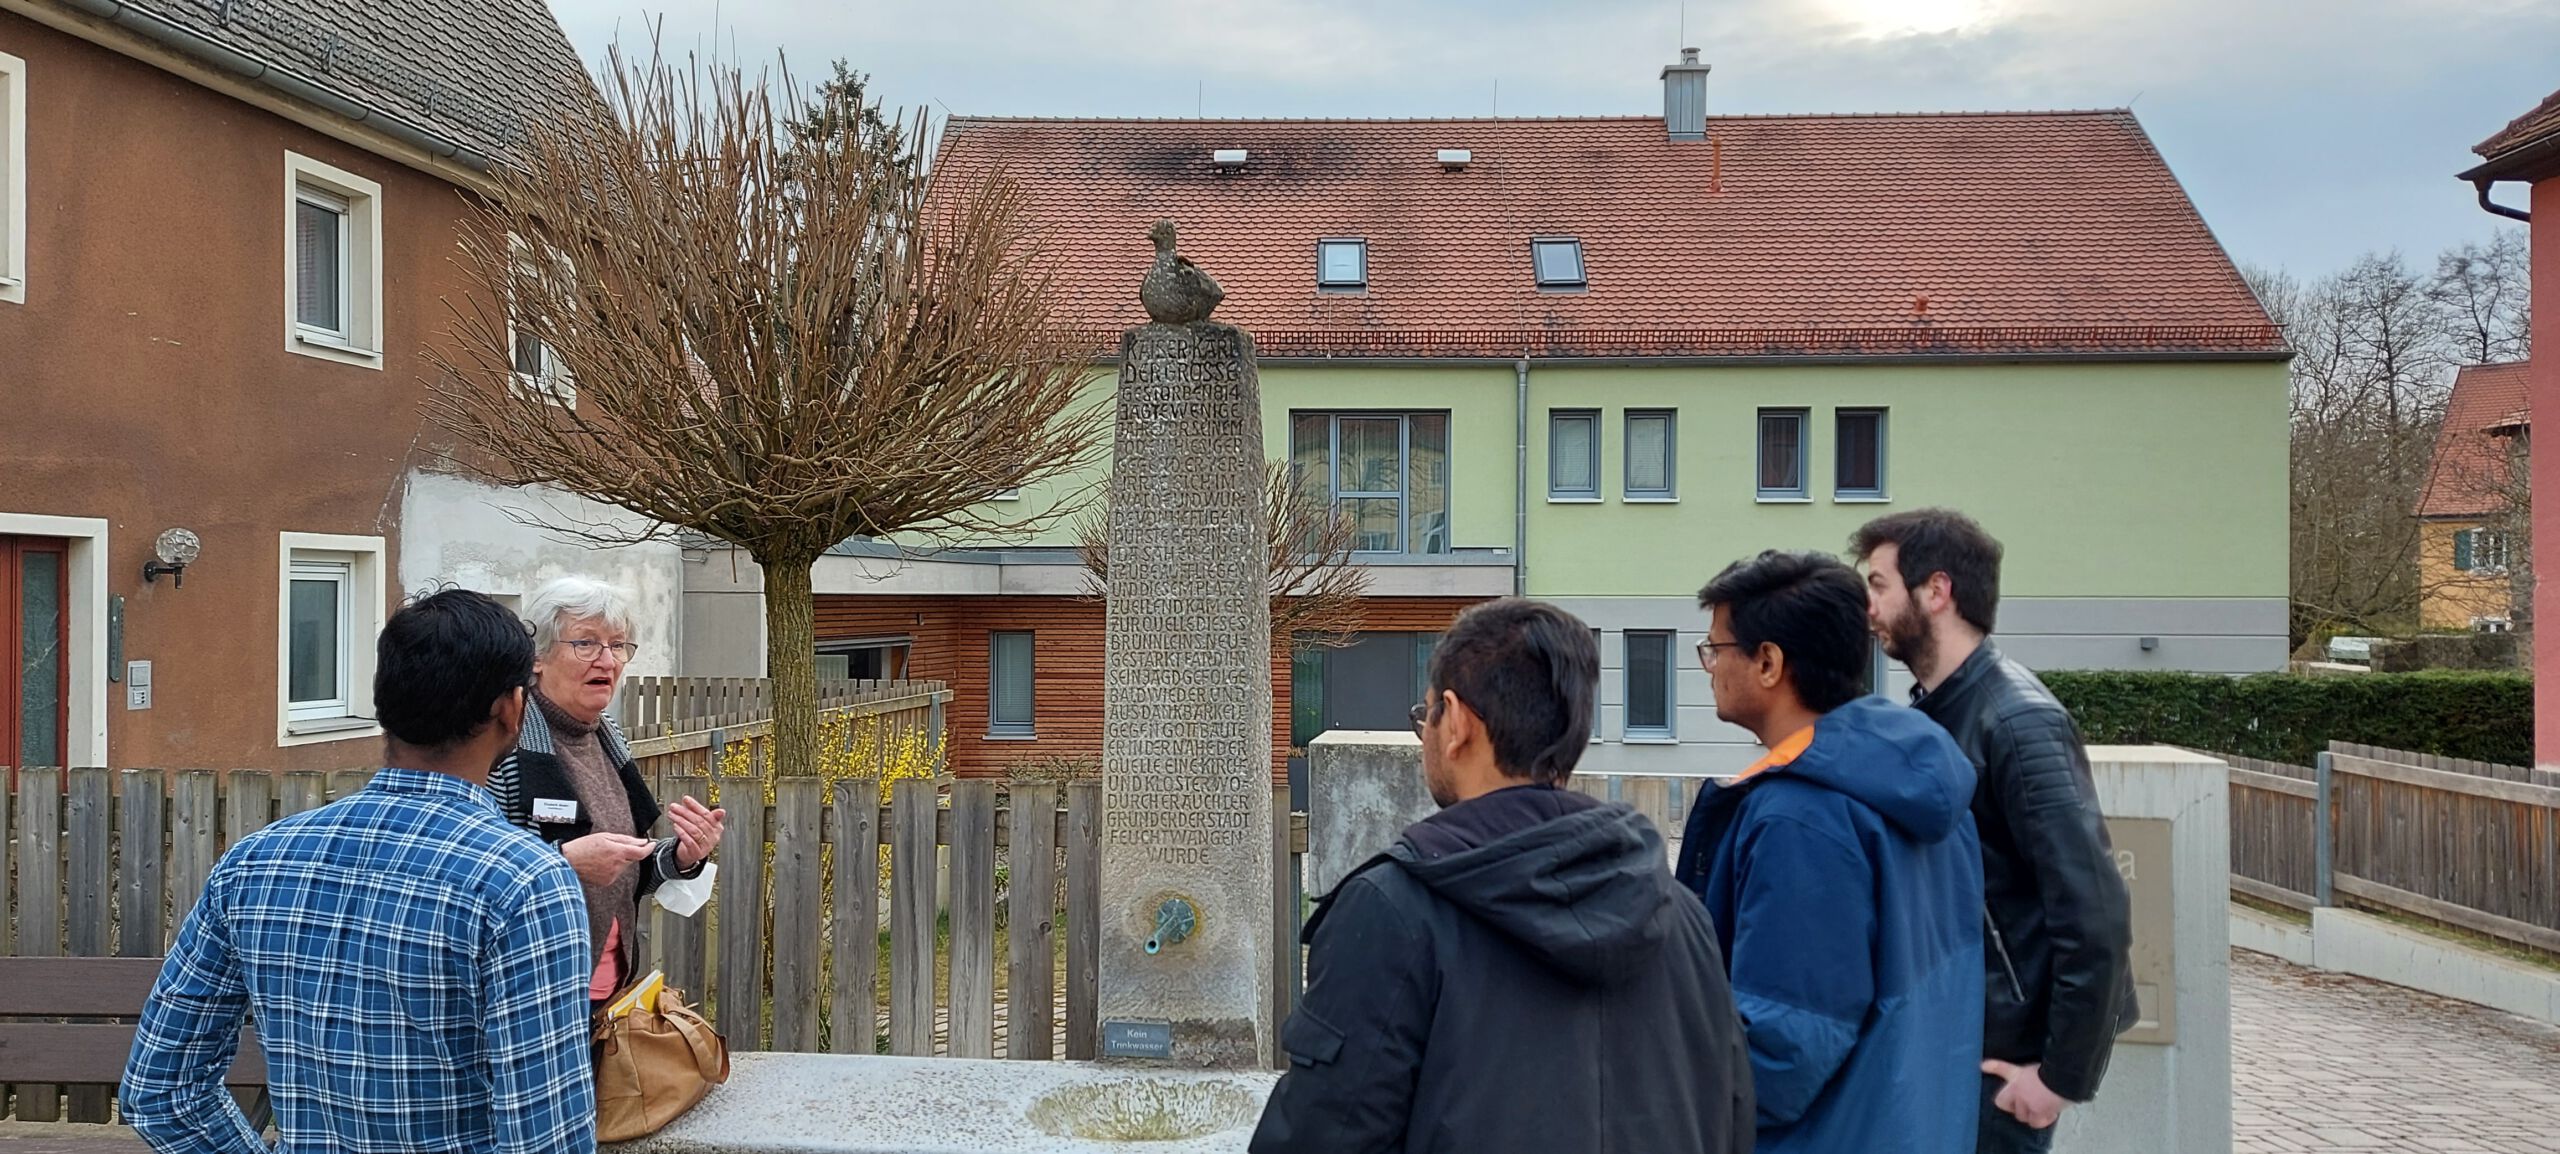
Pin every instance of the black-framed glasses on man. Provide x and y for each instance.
(587, 647)
(1421, 715)
(1707, 650)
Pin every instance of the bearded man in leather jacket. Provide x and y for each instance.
(2057, 924)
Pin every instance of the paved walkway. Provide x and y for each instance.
(2329, 1062)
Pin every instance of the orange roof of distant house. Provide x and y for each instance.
(2535, 127)
(1899, 235)
(2470, 475)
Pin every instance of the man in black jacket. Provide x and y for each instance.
(2057, 922)
(1519, 971)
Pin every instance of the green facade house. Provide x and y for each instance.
(1591, 360)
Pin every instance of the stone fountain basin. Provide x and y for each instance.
(845, 1104)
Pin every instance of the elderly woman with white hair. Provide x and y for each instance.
(571, 779)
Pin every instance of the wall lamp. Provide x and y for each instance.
(172, 553)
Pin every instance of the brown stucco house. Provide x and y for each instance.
(2473, 506)
(225, 239)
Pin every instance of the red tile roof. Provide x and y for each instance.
(2470, 476)
(1779, 236)
(2530, 128)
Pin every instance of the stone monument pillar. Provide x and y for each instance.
(1186, 748)
(2168, 1090)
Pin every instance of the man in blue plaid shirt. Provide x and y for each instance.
(417, 967)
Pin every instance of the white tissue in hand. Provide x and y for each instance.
(682, 896)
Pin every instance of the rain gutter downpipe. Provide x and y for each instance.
(189, 42)
(2500, 209)
(1520, 479)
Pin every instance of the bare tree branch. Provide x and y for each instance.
(1317, 594)
(759, 323)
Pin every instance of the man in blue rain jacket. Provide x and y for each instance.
(1842, 873)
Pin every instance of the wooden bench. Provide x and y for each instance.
(44, 1054)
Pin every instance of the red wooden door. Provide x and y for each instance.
(35, 651)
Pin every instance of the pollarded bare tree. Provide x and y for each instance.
(1316, 592)
(696, 309)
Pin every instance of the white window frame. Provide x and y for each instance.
(365, 606)
(1669, 494)
(360, 274)
(343, 575)
(13, 180)
(553, 384)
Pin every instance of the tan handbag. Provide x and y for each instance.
(652, 1066)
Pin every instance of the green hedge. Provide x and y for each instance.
(2289, 718)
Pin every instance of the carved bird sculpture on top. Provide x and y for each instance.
(1176, 291)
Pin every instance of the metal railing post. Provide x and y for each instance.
(2322, 835)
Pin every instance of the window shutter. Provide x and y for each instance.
(2462, 550)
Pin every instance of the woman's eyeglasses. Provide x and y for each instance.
(587, 647)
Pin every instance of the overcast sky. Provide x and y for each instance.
(2308, 131)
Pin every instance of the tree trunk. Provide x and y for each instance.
(791, 661)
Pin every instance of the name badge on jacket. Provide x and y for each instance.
(554, 809)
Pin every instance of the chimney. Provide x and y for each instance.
(1684, 97)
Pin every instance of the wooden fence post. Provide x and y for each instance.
(141, 889)
(1031, 925)
(911, 878)
(797, 882)
(195, 841)
(39, 902)
(740, 892)
(2323, 827)
(1084, 920)
(973, 919)
(90, 844)
(855, 929)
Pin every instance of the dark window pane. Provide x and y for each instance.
(1306, 694)
(528, 352)
(1424, 644)
(317, 255)
(1782, 452)
(40, 679)
(1648, 682)
(313, 676)
(1861, 461)
(1009, 694)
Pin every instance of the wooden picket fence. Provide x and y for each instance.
(659, 706)
(991, 931)
(2273, 806)
(2468, 844)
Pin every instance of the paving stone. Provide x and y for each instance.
(2328, 1062)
